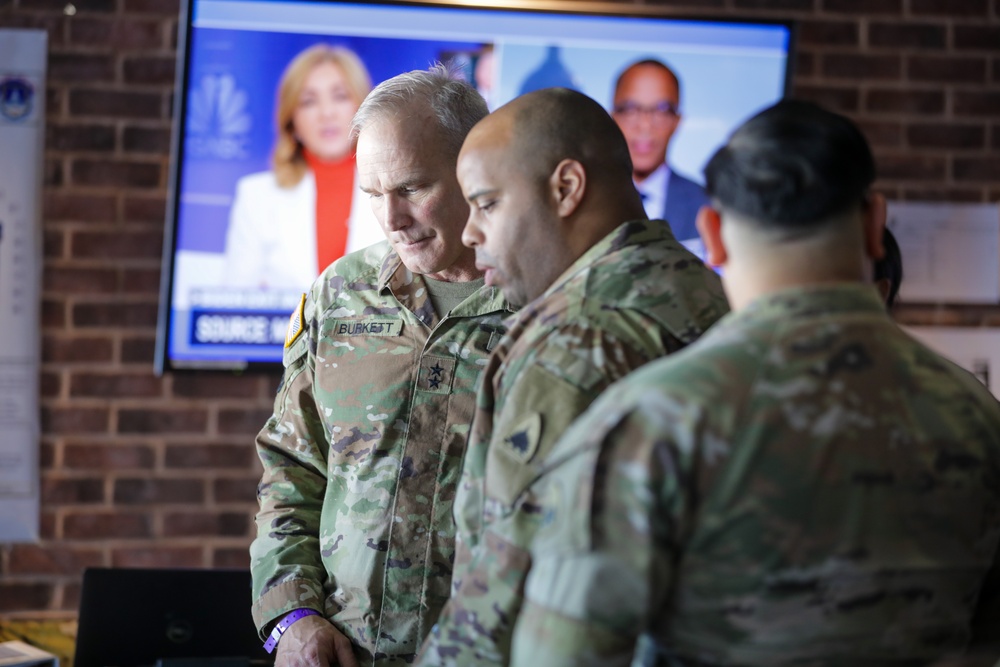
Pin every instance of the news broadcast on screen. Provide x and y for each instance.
(253, 149)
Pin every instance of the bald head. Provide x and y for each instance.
(546, 176)
(544, 127)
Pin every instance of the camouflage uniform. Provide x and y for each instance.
(635, 296)
(363, 453)
(806, 485)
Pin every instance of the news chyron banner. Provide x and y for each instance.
(22, 133)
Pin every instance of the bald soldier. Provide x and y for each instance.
(806, 484)
(557, 225)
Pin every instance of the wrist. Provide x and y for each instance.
(284, 623)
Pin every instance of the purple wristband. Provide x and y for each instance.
(284, 624)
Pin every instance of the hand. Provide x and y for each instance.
(314, 642)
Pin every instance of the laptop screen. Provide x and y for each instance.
(132, 617)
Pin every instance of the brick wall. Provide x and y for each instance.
(146, 471)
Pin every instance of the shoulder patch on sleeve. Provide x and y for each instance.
(522, 443)
(296, 323)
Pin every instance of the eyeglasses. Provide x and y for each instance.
(660, 112)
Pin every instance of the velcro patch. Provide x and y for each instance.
(522, 442)
(295, 326)
(369, 327)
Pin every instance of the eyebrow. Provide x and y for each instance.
(481, 193)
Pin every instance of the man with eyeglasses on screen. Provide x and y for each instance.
(647, 109)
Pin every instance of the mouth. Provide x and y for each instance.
(490, 273)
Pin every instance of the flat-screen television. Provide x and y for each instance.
(242, 241)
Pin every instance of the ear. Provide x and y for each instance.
(709, 224)
(568, 183)
(874, 225)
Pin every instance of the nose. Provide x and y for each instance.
(472, 236)
(395, 214)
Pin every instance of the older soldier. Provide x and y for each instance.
(806, 484)
(556, 222)
(363, 452)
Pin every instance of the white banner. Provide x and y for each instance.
(22, 133)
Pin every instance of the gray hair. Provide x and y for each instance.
(456, 105)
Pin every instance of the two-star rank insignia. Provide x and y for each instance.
(436, 374)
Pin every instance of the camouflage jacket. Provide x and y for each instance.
(807, 485)
(636, 295)
(363, 453)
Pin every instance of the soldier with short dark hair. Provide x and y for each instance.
(354, 548)
(804, 485)
(557, 224)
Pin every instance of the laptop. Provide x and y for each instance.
(167, 617)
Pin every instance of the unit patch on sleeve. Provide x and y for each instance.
(295, 326)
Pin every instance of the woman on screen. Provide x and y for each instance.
(286, 225)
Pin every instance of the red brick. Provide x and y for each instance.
(48, 524)
(146, 140)
(231, 558)
(996, 136)
(911, 167)
(80, 208)
(976, 37)
(86, 456)
(246, 421)
(53, 313)
(116, 173)
(158, 556)
(804, 65)
(116, 104)
(985, 169)
(942, 194)
(946, 135)
(73, 420)
(158, 491)
(138, 350)
(81, 67)
(79, 138)
(106, 525)
(985, 103)
(856, 66)
(210, 456)
(205, 524)
(53, 243)
(177, 420)
(882, 134)
(121, 315)
(52, 559)
(24, 596)
(117, 245)
(72, 491)
(228, 490)
(46, 456)
(141, 281)
(947, 70)
(145, 209)
(53, 173)
(867, 7)
(213, 385)
(906, 101)
(170, 7)
(121, 33)
(844, 100)
(52, 24)
(150, 70)
(996, 70)
(71, 596)
(63, 350)
(907, 35)
(697, 4)
(50, 385)
(80, 281)
(950, 7)
(828, 33)
(54, 98)
(115, 384)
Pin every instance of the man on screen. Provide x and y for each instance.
(647, 109)
(355, 542)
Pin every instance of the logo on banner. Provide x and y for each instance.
(17, 98)
(218, 120)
